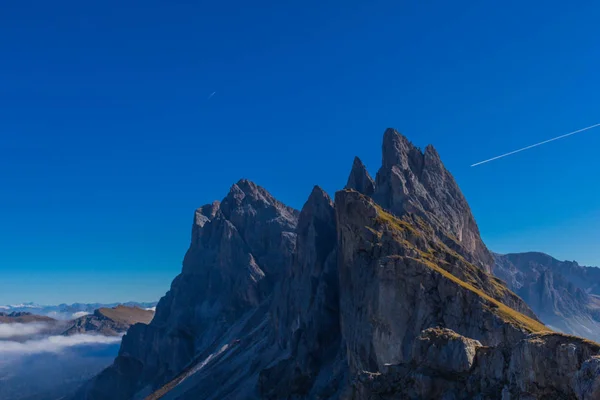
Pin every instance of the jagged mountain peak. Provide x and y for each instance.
(359, 178)
(246, 197)
(248, 216)
(412, 181)
(318, 202)
(246, 187)
(318, 193)
(398, 151)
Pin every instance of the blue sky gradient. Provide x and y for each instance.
(109, 141)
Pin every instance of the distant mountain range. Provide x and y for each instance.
(69, 311)
(563, 294)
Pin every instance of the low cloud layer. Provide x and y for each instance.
(80, 314)
(52, 344)
(53, 367)
(17, 330)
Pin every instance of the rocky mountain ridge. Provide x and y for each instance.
(385, 292)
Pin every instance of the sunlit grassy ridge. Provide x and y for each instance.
(128, 315)
(433, 249)
(436, 254)
(506, 313)
(396, 223)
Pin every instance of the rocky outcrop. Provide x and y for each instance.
(445, 365)
(444, 350)
(109, 321)
(561, 293)
(384, 293)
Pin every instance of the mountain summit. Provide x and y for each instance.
(416, 182)
(383, 293)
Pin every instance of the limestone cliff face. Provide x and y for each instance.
(384, 293)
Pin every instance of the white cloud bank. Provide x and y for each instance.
(80, 314)
(53, 344)
(151, 309)
(8, 331)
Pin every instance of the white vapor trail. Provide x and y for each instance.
(211, 95)
(535, 145)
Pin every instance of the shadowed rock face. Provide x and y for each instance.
(383, 294)
(306, 311)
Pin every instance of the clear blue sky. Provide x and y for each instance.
(108, 140)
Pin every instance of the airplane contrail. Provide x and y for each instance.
(211, 95)
(535, 145)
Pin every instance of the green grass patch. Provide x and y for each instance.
(437, 255)
(395, 223)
